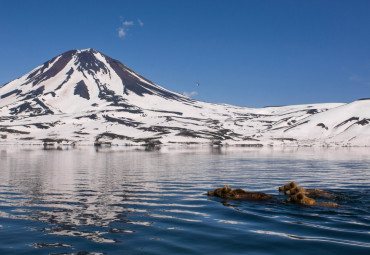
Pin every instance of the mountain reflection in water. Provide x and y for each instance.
(112, 200)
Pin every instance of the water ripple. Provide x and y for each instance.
(310, 238)
(87, 202)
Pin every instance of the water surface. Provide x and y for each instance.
(127, 201)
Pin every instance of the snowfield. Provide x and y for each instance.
(85, 97)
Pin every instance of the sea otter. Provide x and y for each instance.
(238, 194)
(298, 195)
(292, 188)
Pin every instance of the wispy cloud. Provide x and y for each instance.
(128, 23)
(355, 77)
(190, 94)
(359, 79)
(121, 32)
(125, 24)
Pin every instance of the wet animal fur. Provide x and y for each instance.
(301, 198)
(238, 194)
(298, 195)
(292, 188)
(304, 196)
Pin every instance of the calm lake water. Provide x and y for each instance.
(126, 201)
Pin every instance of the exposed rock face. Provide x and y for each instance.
(82, 90)
(78, 83)
(238, 194)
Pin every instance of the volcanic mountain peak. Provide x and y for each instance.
(87, 74)
(84, 96)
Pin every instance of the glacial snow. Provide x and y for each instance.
(125, 108)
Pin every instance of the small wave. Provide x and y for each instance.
(310, 238)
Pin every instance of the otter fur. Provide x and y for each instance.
(238, 194)
(292, 188)
(301, 198)
(298, 194)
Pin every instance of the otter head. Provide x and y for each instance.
(301, 198)
(287, 186)
(295, 191)
(220, 192)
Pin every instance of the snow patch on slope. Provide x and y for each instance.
(85, 97)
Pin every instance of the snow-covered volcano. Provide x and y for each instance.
(86, 97)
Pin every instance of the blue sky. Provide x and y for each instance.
(248, 53)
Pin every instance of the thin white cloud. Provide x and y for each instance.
(121, 32)
(128, 23)
(190, 94)
(355, 78)
(125, 24)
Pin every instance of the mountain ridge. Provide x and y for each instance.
(86, 97)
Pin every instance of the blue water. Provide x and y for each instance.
(127, 201)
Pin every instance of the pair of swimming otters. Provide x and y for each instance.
(298, 194)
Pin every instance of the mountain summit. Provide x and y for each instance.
(86, 97)
(85, 77)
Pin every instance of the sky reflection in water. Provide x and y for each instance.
(115, 200)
